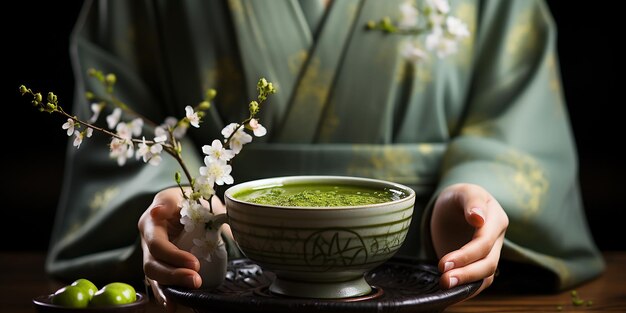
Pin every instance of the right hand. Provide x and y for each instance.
(163, 262)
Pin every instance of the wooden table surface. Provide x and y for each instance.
(607, 293)
(22, 277)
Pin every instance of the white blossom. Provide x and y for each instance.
(96, 108)
(155, 150)
(114, 118)
(193, 214)
(170, 121)
(143, 150)
(121, 149)
(217, 171)
(413, 52)
(160, 134)
(238, 139)
(408, 15)
(177, 131)
(217, 152)
(204, 186)
(442, 45)
(69, 125)
(151, 154)
(456, 27)
(79, 136)
(192, 116)
(257, 128)
(123, 130)
(136, 126)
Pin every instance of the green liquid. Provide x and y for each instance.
(319, 195)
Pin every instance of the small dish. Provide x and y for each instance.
(43, 304)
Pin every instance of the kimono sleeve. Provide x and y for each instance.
(95, 233)
(516, 142)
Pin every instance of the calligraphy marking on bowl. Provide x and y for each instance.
(335, 247)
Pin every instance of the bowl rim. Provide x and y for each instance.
(281, 180)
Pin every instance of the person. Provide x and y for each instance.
(483, 137)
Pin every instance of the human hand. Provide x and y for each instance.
(163, 262)
(467, 230)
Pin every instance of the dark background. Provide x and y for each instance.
(34, 146)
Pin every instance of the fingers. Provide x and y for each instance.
(458, 211)
(164, 220)
(169, 275)
(163, 212)
(164, 261)
(476, 257)
(165, 251)
(484, 240)
(482, 269)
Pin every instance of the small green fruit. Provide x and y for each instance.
(114, 294)
(87, 285)
(71, 297)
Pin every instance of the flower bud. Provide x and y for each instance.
(211, 93)
(254, 107)
(50, 107)
(89, 95)
(370, 24)
(38, 98)
(52, 98)
(92, 72)
(386, 24)
(177, 177)
(270, 88)
(111, 79)
(23, 89)
(262, 83)
(195, 196)
(204, 105)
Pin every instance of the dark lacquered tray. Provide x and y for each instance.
(399, 285)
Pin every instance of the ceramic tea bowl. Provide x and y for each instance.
(320, 251)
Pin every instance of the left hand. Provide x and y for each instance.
(467, 230)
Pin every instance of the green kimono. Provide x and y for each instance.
(348, 103)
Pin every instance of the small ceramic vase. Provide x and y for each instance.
(205, 242)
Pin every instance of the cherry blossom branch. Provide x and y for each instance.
(218, 156)
(54, 107)
(235, 137)
(443, 32)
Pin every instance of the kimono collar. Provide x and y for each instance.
(276, 41)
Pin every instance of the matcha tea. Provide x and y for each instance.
(319, 195)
